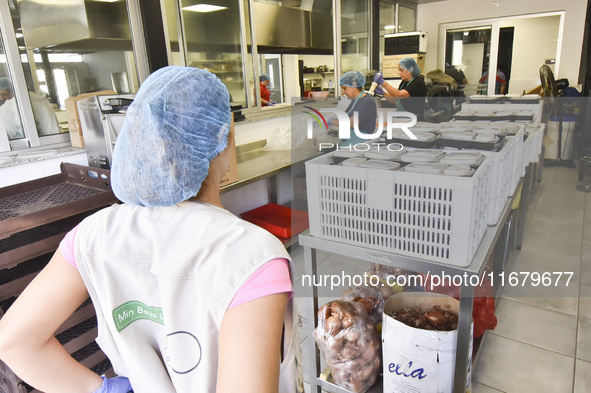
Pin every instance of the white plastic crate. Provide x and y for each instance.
(536, 131)
(433, 217)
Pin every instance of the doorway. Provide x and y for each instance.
(272, 66)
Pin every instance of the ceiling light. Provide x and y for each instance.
(204, 8)
(389, 27)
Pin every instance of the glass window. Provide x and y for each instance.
(354, 35)
(406, 19)
(213, 36)
(69, 48)
(387, 25)
(11, 121)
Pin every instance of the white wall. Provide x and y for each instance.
(431, 15)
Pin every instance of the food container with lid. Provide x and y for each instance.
(432, 168)
(524, 115)
(458, 139)
(342, 155)
(503, 115)
(464, 115)
(458, 170)
(384, 154)
(424, 139)
(485, 141)
(354, 161)
(379, 164)
(423, 155)
(471, 158)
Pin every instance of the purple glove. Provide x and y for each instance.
(114, 385)
(379, 78)
(378, 91)
(271, 103)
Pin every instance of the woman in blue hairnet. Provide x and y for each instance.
(410, 94)
(188, 297)
(352, 83)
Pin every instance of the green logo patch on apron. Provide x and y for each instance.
(132, 311)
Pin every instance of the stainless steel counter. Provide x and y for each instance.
(255, 163)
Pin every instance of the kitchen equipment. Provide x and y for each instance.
(101, 119)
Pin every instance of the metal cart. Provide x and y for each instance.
(313, 244)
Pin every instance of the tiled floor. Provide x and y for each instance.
(542, 342)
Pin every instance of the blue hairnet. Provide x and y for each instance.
(178, 122)
(264, 77)
(410, 65)
(5, 84)
(352, 79)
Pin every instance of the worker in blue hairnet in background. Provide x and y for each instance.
(188, 297)
(265, 93)
(352, 83)
(410, 94)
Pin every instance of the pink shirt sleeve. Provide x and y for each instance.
(273, 277)
(67, 246)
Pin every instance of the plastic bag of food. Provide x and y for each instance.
(370, 298)
(393, 280)
(348, 341)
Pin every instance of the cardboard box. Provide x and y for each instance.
(76, 136)
(232, 174)
(391, 64)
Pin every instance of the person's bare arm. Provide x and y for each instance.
(250, 344)
(27, 343)
(394, 92)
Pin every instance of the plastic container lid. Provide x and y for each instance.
(524, 113)
(347, 154)
(458, 135)
(486, 137)
(456, 126)
(355, 161)
(379, 164)
(421, 136)
(482, 113)
(424, 129)
(463, 158)
(458, 170)
(384, 154)
(503, 113)
(426, 167)
(464, 114)
(423, 155)
(491, 130)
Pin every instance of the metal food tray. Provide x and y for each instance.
(75, 190)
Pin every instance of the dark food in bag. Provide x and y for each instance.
(348, 341)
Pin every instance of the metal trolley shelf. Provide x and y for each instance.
(312, 244)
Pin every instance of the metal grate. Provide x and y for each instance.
(86, 351)
(78, 330)
(43, 198)
(24, 269)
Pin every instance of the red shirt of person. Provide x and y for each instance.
(265, 93)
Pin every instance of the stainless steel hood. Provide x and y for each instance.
(75, 25)
(291, 30)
